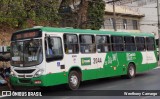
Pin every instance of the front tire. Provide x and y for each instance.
(73, 80)
(131, 71)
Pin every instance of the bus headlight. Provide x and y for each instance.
(12, 74)
(39, 73)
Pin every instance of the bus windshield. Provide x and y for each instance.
(26, 53)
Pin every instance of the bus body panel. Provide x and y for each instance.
(92, 65)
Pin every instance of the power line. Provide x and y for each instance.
(113, 1)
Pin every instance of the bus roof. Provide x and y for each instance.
(87, 31)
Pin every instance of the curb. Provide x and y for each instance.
(2, 96)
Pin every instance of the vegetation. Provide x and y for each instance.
(82, 13)
(21, 13)
(95, 14)
(60, 13)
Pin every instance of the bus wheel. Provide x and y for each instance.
(73, 80)
(131, 72)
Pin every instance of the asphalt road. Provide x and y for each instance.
(145, 81)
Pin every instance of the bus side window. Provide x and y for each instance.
(150, 43)
(53, 47)
(102, 42)
(140, 43)
(87, 43)
(129, 44)
(71, 43)
(117, 43)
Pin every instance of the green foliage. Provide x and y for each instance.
(27, 13)
(87, 15)
(95, 14)
(16, 13)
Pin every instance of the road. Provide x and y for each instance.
(149, 80)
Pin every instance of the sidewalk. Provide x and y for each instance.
(2, 88)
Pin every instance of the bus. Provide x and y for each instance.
(157, 48)
(48, 56)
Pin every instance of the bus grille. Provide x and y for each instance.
(25, 71)
(24, 80)
(25, 76)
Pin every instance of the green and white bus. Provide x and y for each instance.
(46, 56)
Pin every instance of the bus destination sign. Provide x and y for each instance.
(26, 35)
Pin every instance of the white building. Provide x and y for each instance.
(127, 19)
(149, 23)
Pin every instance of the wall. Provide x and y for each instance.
(108, 25)
(149, 23)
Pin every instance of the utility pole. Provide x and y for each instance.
(158, 14)
(114, 17)
(114, 14)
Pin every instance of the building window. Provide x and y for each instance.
(150, 43)
(117, 43)
(71, 43)
(87, 44)
(102, 42)
(124, 24)
(140, 43)
(135, 24)
(129, 44)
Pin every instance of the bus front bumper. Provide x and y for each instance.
(43, 80)
(36, 81)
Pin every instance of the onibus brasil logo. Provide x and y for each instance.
(14, 93)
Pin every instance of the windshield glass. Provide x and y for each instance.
(26, 53)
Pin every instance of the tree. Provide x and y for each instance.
(95, 14)
(73, 12)
(17, 13)
(47, 10)
(82, 13)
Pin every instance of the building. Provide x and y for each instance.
(126, 19)
(149, 23)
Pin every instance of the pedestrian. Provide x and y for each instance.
(2, 81)
(5, 76)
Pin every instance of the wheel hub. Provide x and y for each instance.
(131, 71)
(74, 80)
